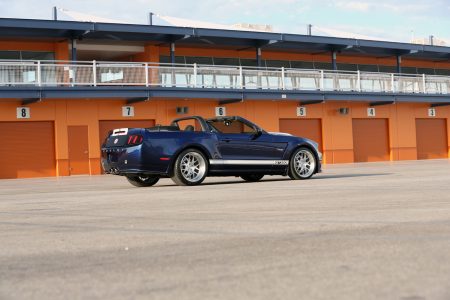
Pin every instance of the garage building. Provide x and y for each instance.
(65, 85)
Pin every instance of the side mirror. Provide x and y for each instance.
(257, 134)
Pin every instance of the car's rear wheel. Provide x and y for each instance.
(142, 180)
(252, 177)
(190, 168)
(302, 164)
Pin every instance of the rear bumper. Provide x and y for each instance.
(130, 160)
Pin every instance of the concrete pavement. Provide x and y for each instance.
(356, 231)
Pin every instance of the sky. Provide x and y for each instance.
(391, 20)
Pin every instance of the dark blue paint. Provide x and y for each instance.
(146, 158)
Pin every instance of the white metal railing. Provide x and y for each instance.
(93, 73)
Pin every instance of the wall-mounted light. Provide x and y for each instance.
(344, 111)
(181, 110)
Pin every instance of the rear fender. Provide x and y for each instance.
(198, 147)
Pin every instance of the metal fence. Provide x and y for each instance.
(93, 73)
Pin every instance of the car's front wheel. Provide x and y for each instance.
(302, 164)
(142, 180)
(190, 168)
(252, 177)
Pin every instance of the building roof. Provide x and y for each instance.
(204, 37)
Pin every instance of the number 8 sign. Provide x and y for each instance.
(23, 113)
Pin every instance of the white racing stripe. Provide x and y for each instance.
(248, 162)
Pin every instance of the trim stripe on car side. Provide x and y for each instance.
(248, 162)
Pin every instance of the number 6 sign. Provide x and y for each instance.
(221, 111)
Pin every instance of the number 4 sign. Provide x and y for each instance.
(371, 112)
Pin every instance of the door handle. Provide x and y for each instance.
(226, 140)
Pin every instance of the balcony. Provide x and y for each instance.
(93, 74)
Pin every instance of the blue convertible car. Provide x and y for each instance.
(192, 148)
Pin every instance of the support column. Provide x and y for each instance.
(258, 56)
(74, 50)
(333, 60)
(399, 64)
(172, 53)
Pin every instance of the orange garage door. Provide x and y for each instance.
(28, 149)
(370, 140)
(308, 128)
(431, 138)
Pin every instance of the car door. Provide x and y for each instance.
(247, 146)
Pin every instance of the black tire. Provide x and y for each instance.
(191, 168)
(252, 177)
(303, 164)
(142, 180)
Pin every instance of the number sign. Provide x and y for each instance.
(301, 111)
(127, 111)
(221, 111)
(23, 113)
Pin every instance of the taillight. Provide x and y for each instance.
(134, 139)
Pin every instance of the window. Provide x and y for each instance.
(278, 63)
(245, 62)
(347, 67)
(426, 71)
(409, 70)
(166, 59)
(388, 69)
(27, 55)
(199, 60)
(368, 68)
(231, 126)
(323, 65)
(226, 61)
(443, 72)
(302, 65)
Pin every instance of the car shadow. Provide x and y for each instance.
(316, 177)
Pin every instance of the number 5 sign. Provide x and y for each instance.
(23, 113)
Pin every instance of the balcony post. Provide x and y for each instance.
(424, 82)
(322, 81)
(146, 75)
(283, 85)
(195, 75)
(241, 78)
(392, 83)
(38, 72)
(94, 72)
(358, 82)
